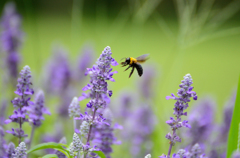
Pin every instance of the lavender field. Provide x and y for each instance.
(65, 94)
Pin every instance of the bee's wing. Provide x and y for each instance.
(142, 58)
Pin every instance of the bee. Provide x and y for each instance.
(135, 63)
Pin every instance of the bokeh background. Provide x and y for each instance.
(200, 37)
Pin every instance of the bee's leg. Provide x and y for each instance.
(128, 67)
(131, 72)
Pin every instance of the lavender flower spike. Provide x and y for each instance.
(99, 93)
(21, 103)
(36, 112)
(184, 94)
(20, 151)
(76, 145)
(74, 108)
(98, 86)
(38, 109)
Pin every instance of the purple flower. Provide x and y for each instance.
(146, 85)
(11, 37)
(184, 94)
(227, 117)
(98, 86)
(76, 145)
(17, 133)
(3, 107)
(99, 93)
(21, 103)
(84, 61)
(58, 153)
(20, 151)
(103, 135)
(59, 73)
(10, 151)
(202, 121)
(144, 122)
(195, 152)
(38, 109)
(236, 154)
(99, 74)
(2, 142)
(126, 101)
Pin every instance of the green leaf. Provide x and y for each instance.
(100, 154)
(50, 145)
(233, 132)
(50, 156)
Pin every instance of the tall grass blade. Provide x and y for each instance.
(233, 132)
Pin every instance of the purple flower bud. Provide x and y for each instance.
(20, 151)
(74, 108)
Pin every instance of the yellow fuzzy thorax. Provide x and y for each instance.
(132, 60)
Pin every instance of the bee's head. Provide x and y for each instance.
(126, 62)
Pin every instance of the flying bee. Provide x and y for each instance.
(135, 63)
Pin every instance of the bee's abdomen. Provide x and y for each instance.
(139, 69)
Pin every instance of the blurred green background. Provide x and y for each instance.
(180, 39)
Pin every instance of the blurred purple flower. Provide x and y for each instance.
(53, 137)
(143, 122)
(58, 72)
(85, 60)
(195, 152)
(10, 151)
(37, 110)
(236, 154)
(126, 101)
(58, 153)
(11, 37)
(227, 117)
(103, 135)
(185, 93)
(21, 103)
(202, 121)
(146, 85)
(2, 143)
(3, 107)
(219, 145)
